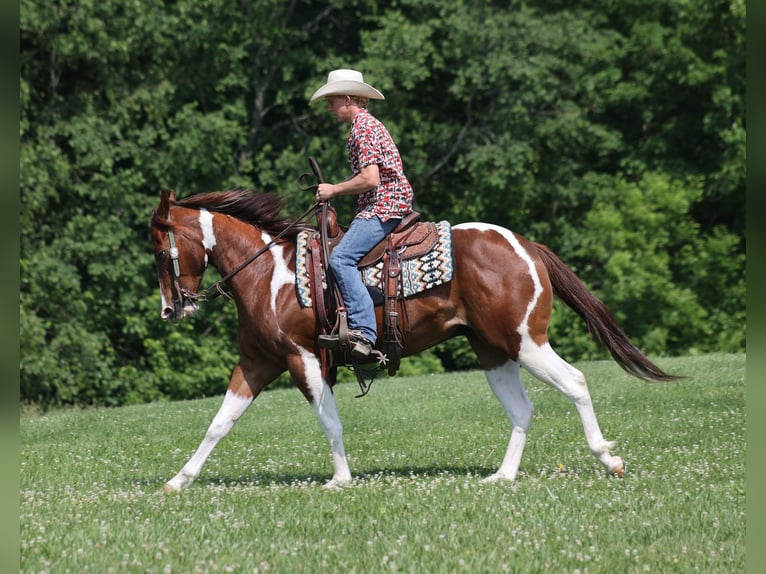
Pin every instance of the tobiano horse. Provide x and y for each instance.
(500, 298)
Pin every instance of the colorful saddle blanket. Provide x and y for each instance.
(418, 274)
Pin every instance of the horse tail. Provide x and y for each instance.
(568, 287)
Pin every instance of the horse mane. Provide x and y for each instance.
(261, 209)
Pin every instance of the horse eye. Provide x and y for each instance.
(162, 254)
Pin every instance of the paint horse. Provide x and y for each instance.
(500, 298)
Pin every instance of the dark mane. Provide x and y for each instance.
(261, 209)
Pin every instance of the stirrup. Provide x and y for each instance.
(356, 344)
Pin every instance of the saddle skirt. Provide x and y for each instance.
(426, 256)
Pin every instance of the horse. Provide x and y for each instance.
(500, 297)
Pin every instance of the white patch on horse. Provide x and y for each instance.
(165, 304)
(281, 275)
(326, 409)
(508, 235)
(208, 233)
(313, 373)
(232, 408)
(505, 382)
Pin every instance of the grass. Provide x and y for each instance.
(418, 447)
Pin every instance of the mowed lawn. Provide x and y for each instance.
(90, 497)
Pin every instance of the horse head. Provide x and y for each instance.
(180, 257)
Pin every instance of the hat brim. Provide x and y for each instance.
(346, 88)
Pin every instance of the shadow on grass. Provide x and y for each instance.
(307, 479)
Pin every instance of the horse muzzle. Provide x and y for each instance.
(183, 306)
(179, 312)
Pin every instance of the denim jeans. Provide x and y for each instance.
(361, 237)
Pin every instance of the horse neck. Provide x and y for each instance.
(235, 243)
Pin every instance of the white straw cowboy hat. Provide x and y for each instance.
(346, 83)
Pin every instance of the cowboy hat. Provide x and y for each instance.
(346, 83)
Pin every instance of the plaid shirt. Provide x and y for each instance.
(370, 143)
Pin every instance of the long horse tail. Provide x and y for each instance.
(568, 287)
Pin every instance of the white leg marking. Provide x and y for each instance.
(233, 407)
(505, 382)
(208, 234)
(326, 409)
(545, 364)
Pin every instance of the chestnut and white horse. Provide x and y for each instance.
(500, 298)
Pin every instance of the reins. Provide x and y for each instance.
(218, 288)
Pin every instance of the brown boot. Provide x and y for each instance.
(360, 346)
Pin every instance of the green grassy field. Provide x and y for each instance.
(418, 448)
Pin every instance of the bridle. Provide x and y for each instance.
(182, 292)
(219, 287)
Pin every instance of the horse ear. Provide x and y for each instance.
(166, 197)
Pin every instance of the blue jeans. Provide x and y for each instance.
(361, 237)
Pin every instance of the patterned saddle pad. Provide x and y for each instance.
(418, 274)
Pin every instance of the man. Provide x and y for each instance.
(384, 196)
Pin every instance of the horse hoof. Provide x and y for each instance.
(618, 470)
(168, 488)
(496, 478)
(335, 484)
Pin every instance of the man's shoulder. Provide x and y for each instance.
(365, 118)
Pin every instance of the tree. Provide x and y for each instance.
(118, 101)
(613, 132)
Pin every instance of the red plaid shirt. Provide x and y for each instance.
(370, 143)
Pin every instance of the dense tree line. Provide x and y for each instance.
(613, 132)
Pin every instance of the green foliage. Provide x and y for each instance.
(613, 132)
(642, 252)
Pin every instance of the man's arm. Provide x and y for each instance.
(368, 178)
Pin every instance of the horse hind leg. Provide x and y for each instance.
(545, 364)
(505, 382)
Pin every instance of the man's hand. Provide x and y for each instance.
(365, 180)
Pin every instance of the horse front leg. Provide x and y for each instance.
(239, 396)
(307, 373)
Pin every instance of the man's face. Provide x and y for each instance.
(340, 107)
